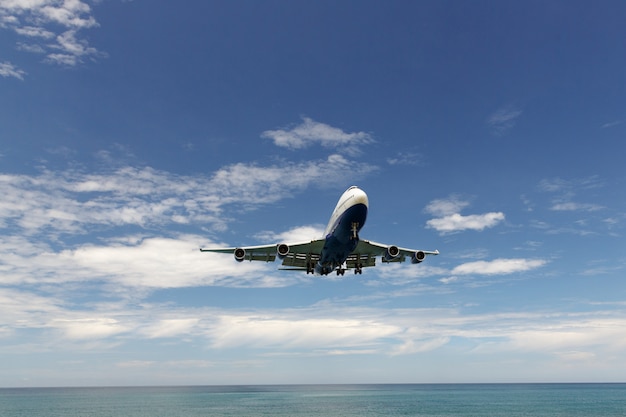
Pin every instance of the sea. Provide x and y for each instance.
(510, 400)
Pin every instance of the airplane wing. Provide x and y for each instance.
(296, 255)
(367, 251)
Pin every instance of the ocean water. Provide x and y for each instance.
(477, 400)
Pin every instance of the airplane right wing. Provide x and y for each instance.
(295, 256)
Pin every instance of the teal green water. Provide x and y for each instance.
(511, 400)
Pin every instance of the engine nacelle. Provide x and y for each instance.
(282, 250)
(391, 253)
(240, 254)
(418, 257)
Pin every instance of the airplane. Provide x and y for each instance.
(339, 249)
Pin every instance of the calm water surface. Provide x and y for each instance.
(511, 400)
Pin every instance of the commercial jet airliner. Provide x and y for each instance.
(338, 250)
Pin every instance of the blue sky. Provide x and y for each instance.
(133, 132)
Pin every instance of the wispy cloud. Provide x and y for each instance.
(406, 158)
(570, 185)
(571, 206)
(450, 221)
(51, 27)
(566, 191)
(310, 132)
(612, 124)
(503, 119)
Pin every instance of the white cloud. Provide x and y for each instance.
(60, 20)
(412, 346)
(152, 263)
(446, 207)
(89, 328)
(498, 267)
(264, 331)
(448, 280)
(9, 70)
(310, 131)
(170, 327)
(36, 32)
(449, 220)
(456, 222)
(73, 50)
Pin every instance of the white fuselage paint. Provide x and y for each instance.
(351, 197)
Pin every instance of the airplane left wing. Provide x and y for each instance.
(368, 251)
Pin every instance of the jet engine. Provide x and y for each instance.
(282, 250)
(418, 257)
(240, 254)
(391, 253)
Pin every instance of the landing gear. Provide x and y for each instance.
(355, 231)
(340, 271)
(358, 269)
(310, 268)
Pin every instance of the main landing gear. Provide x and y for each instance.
(310, 269)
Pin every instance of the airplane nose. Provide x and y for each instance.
(360, 197)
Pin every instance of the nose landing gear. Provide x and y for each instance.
(355, 231)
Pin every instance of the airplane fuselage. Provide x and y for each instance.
(342, 233)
